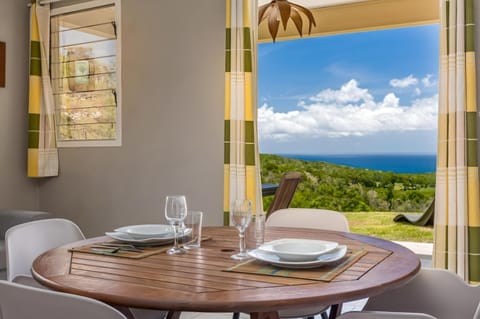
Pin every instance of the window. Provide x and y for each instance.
(314, 93)
(85, 74)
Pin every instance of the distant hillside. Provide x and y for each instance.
(348, 189)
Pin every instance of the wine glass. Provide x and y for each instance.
(175, 212)
(240, 217)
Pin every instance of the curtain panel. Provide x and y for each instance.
(241, 156)
(457, 213)
(42, 159)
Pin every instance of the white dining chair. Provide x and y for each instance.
(21, 302)
(27, 241)
(24, 242)
(307, 218)
(8, 219)
(437, 292)
(384, 315)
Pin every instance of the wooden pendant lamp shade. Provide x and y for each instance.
(277, 11)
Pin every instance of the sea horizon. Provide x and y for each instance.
(413, 163)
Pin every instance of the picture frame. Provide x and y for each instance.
(2, 64)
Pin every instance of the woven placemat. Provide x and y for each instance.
(325, 273)
(142, 252)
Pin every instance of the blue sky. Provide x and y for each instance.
(359, 93)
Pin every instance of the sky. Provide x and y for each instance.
(372, 92)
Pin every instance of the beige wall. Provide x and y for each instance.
(16, 190)
(173, 97)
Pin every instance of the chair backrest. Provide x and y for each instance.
(437, 292)
(12, 217)
(384, 315)
(25, 242)
(308, 218)
(19, 302)
(285, 191)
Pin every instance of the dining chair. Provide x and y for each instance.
(27, 241)
(437, 292)
(285, 191)
(309, 218)
(384, 315)
(10, 218)
(24, 242)
(20, 302)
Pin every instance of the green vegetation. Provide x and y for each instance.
(371, 198)
(381, 224)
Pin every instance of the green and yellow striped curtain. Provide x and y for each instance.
(241, 159)
(457, 211)
(42, 150)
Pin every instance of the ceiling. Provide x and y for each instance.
(344, 16)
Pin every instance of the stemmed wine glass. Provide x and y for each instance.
(175, 212)
(240, 217)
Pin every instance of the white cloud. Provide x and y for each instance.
(417, 91)
(349, 111)
(427, 81)
(405, 82)
(349, 92)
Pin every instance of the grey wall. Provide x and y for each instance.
(173, 97)
(16, 190)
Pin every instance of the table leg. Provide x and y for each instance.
(173, 315)
(264, 315)
(335, 310)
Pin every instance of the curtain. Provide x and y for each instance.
(457, 213)
(42, 151)
(241, 156)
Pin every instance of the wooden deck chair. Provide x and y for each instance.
(424, 219)
(285, 191)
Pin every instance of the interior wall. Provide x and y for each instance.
(16, 190)
(172, 126)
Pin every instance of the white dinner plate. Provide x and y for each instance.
(293, 249)
(147, 231)
(322, 260)
(151, 240)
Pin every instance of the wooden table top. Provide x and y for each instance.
(196, 281)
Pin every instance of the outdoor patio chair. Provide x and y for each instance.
(20, 302)
(384, 315)
(437, 292)
(10, 218)
(424, 219)
(309, 218)
(285, 191)
(25, 242)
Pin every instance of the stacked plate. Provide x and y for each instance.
(299, 253)
(146, 234)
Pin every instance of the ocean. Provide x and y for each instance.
(398, 163)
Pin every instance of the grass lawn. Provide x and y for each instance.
(381, 224)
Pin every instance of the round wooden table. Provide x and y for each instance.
(198, 281)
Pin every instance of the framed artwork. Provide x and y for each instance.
(2, 64)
